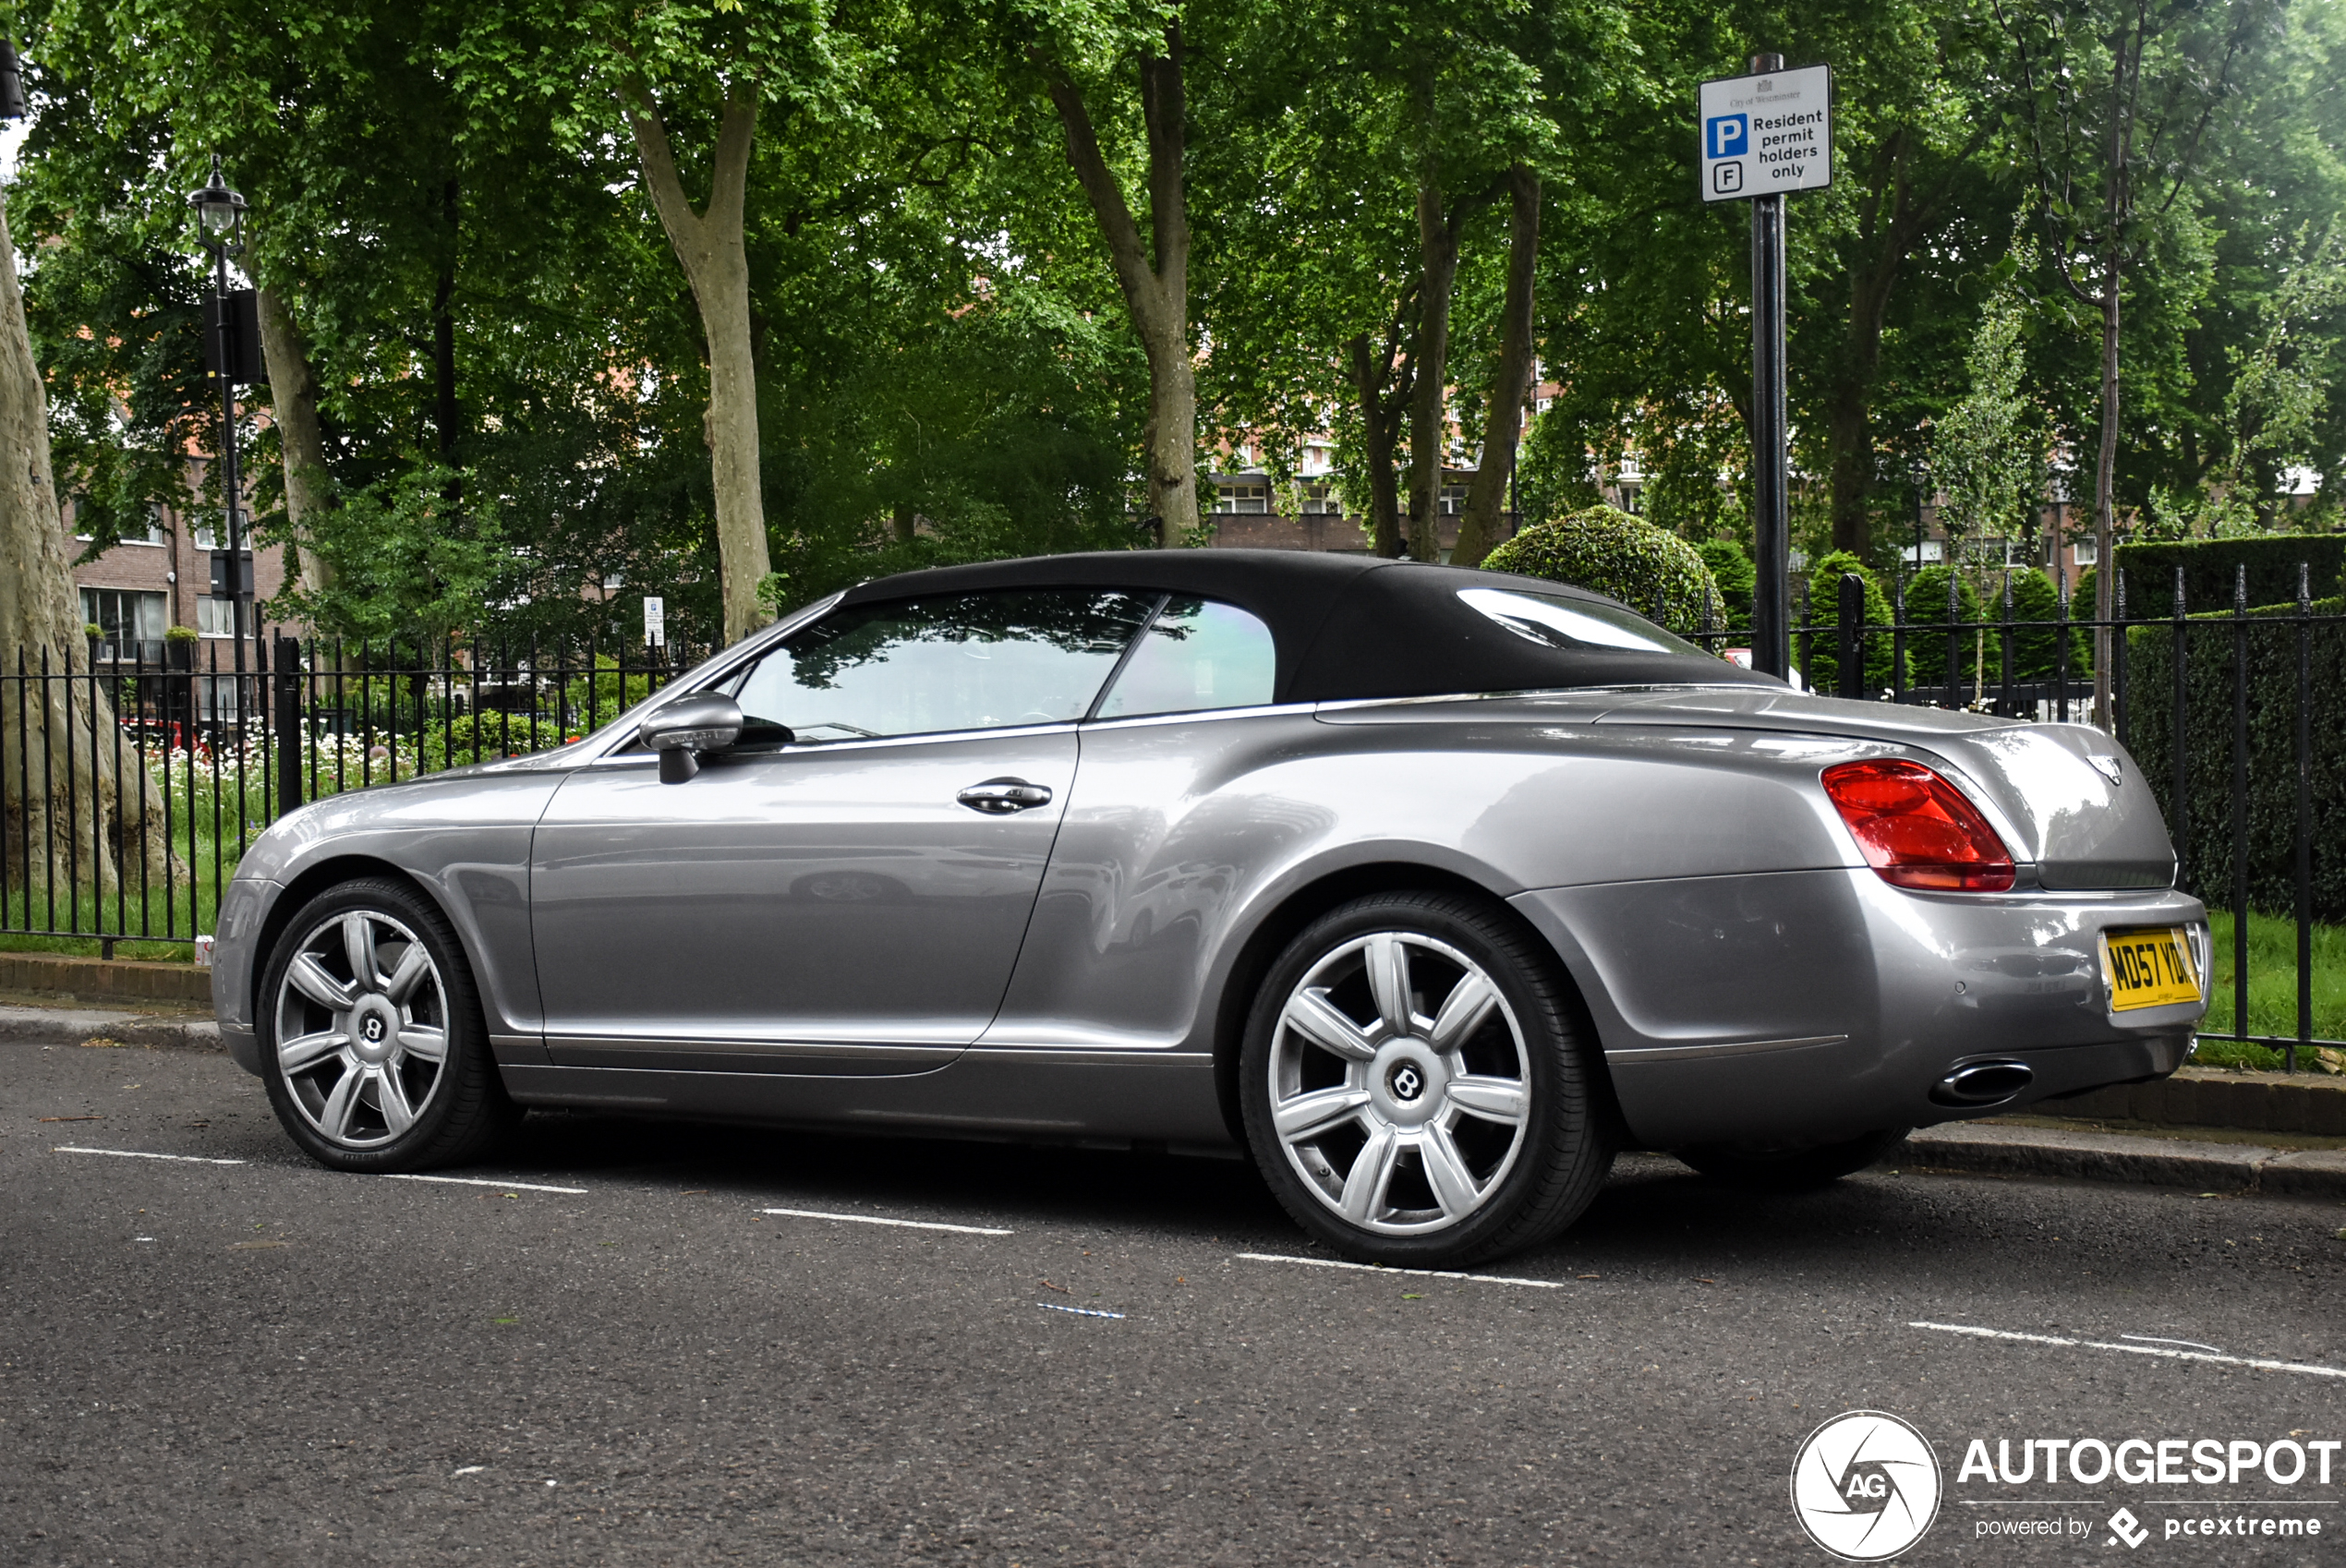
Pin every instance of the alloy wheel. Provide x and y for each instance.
(361, 1031)
(1400, 1083)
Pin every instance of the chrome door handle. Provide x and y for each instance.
(999, 797)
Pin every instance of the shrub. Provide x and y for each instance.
(1818, 652)
(2034, 655)
(1927, 606)
(1731, 570)
(1656, 573)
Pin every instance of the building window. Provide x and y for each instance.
(1928, 552)
(1452, 501)
(1320, 499)
(126, 618)
(1242, 497)
(215, 617)
(2086, 553)
(205, 531)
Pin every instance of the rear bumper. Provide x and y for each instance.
(1819, 1005)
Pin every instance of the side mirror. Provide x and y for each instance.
(680, 732)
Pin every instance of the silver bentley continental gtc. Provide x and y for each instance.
(1426, 889)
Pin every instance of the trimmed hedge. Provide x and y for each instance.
(2212, 568)
(2203, 832)
(1927, 606)
(1737, 579)
(1653, 572)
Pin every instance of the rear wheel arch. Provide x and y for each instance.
(1307, 903)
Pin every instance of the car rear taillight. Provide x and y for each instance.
(1917, 829)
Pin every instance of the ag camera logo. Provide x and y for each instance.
(1866, 1486)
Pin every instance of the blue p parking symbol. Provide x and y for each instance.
(1727, 136)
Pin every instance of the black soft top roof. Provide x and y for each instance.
(1344, 626)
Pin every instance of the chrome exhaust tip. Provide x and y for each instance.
(1976, 1084)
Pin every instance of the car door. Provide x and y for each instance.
(851, 900)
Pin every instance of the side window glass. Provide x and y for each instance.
(962, 661)
(1197, 655)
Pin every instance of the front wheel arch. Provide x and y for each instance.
(315, 879)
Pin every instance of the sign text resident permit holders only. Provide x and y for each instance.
(1764, 135)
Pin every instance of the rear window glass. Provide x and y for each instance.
(1197, 654)
(1553, 621)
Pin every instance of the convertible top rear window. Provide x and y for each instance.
(1553, 622)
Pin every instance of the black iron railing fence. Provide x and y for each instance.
(133, 785)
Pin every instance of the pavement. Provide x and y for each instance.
(640, 1343)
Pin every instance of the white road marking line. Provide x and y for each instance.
(471, 1470)
(142, 1154)
(1380, 1269)
(1079, 1311)
(482, 1181)
(876, 1220)
(2260, 1364)
(2158, 1339)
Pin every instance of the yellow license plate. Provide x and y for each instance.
(2148, 969)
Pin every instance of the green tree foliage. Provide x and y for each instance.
(1984, 454)
(516, 378)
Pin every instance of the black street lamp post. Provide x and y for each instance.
(222, 211)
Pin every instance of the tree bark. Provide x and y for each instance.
(301, 444)
(61, 792)
(1429, 407)
(447, 419)
(709, 246)
(1154, 276)
(1502, 428)
(2105, 479)
(1383, 398)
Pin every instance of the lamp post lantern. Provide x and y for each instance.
(221, 213)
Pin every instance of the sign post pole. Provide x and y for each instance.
(1771, 464)
(1765, 136)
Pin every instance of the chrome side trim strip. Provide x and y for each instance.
(1725, 1048)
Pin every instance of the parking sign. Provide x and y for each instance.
(1763, 135)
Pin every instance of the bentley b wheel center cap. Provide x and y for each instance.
(1405, 1082)
(373, 1031)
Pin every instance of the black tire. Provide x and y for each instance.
(1562, 1144)
(1791, 1170)
(464, 1109)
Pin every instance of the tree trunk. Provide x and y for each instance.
(60, 791)
(301, 444)
(1429, 409)
(1479, 529)
(1382, 406)
(1155, 277)
(2105, 479)
(447, 419)
(709, 246)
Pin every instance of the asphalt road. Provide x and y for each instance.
(265, 1362)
